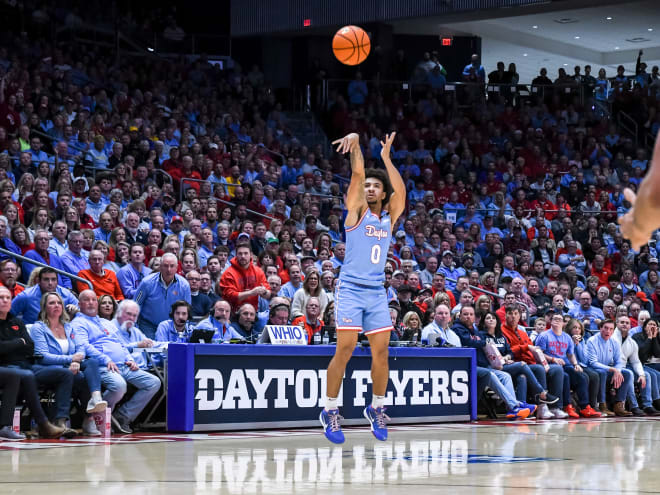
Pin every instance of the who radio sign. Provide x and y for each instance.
(240, 387)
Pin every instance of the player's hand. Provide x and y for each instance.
(347, 143)
(630, 226)
(387, 145)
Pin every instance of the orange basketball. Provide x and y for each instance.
(351, 45)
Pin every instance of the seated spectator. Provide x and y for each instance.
(130, 275)
(75, 259)
(575, 329)
(243, 282)
(8, 275)
(501, 383)
(559, 349)
(129, 334)
(5, 241)
(179, 327)
(27, 304)
(630, 356)
(585, 312)
(117, 365)
(53, 340)
(201, 303)
(133, 234)
(439, 326)
(104, 281)
(310, 320)
(604, 355)
(16, 377)
(295, 282)
(311, 287)
(649, 348)
(219, 322)
(41, 254)
(158, 291)
(522, 350)
(244, 322)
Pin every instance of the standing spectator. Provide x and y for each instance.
(357, 90)
(158, 291)
(243, 282)
(474, 72)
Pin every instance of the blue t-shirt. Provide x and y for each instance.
(557, 346)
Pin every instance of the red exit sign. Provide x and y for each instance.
(307, 22)
(446, 41)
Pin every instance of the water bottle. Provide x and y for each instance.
(316, 339)
(326, 338)
(182, 338)
(413, 342)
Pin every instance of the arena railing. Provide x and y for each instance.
(493, 294)
(229, 203)
(459, 88)
(64, 273)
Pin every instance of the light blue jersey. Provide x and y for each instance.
(367, 243)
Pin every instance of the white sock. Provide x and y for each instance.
(330, 403)
(97, 396)
(377, 401)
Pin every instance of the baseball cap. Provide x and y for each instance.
(398, 272)
(273, 240)
(243, 235)
(176, 218)
(435, 211)
(653, 260)
(641, 295)
(132, 128)
(213, 146)
(400, 234)
(426, 288)
(405, 288)
(447, 252)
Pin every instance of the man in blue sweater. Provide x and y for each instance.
(27, 304)
(98, 339)
(604, 356)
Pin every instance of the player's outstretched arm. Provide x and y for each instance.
(644, 216)
(355, 200)
(398, 199)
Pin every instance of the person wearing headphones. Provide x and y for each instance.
(177, 328)
(244, 323)
(277, 315)
(219, 322)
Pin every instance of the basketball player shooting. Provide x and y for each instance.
(375, 200)
(643, 218)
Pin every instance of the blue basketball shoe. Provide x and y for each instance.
(377, 419)
(332, 428)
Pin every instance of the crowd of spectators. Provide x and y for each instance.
(178, 198)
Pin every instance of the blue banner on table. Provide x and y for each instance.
(229, 387)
